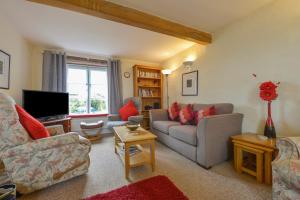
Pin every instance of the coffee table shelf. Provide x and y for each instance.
(141, 138)
(138, 159)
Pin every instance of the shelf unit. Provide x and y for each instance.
(140, 158)
(148, 84)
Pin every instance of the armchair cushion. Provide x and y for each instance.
(44, 144)
(12, 132)
(114, 117)
(128, 110)
(136, 119)
(35, 128)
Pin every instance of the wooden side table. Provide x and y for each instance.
(65, 122)
(263, 150)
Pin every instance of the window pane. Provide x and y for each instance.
(77, 74)
(98, 91)
(78, 90)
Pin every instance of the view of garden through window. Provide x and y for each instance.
(88, 89)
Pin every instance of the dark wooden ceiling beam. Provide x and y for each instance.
(114, 12)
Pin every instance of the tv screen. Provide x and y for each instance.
(41, 104)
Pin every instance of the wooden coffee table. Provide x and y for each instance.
(125, 138)
(264, 151)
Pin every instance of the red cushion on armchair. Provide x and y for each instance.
(128, 110)
(34, 128)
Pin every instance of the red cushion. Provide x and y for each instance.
(186, 115)
(128, 110)
(34, 128)
(200, 114)
(174, 111)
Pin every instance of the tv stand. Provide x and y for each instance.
(65, 122)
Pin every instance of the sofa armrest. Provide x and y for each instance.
(213, 137)
(158, 115)
(113, 117)
(136, 119)
(55, 130)
(45, 144)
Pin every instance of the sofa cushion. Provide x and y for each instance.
(185, 133)
(163, 126)
(186, 115)
(200, 114)
(174, 111)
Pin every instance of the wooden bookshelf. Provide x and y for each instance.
(148, 84)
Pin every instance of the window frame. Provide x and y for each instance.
(88, 68)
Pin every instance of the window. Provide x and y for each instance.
(88, 89)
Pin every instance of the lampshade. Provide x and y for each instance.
(187, 63)
(166, 71)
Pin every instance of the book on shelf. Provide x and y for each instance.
(144, 74)
(145, 93)
(133, 150)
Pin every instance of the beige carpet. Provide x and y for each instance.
(106, 173)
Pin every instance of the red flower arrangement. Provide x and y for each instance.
(268, 91)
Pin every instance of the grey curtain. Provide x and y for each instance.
(54, 72)
(115, 94)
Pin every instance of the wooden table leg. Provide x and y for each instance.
(116, 142)
(235, 155)
(239, 159)
(127, 160)
(152, 151)
(268, 168)
(259, 167)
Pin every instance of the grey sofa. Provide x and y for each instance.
(208, 142)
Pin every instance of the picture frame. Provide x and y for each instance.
(190, 84)
(4, 70)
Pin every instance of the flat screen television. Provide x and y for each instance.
(43, 105)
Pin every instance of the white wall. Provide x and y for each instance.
(266, 43)
(19, 49)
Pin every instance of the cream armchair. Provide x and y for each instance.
(36, 164)
(286, 169)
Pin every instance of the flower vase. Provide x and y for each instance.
(269, 127)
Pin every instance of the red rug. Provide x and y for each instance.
(155, 188)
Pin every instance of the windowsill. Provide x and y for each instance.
(87, 115)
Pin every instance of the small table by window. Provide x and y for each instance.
(263, 151)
